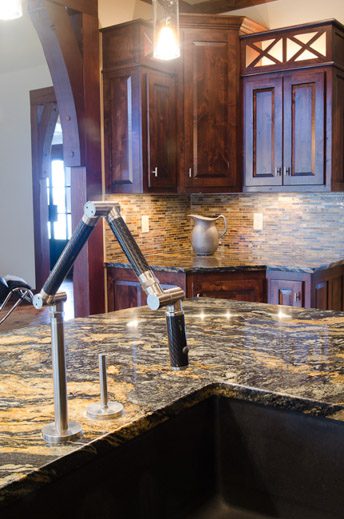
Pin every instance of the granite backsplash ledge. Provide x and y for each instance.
(296, 225)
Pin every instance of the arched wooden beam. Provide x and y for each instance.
(68, 30)
(64, 59)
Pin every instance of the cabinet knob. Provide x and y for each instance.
(190, 172)
(155, 171)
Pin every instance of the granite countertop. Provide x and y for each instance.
(186, 261)
(288, 358)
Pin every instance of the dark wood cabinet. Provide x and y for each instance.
(284, 289)
(304, 128)
(293, 109)
(241, 286)
(328, 289)
(140, 113)
(140, 131)
(124, 290)
(322, 289)
(263, 138)
(210, 115)
(174, 126)
(160, 154)
(285, 129)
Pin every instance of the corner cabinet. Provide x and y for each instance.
(140, 113)
(209, 109)
(174, 126)
(293, 109)
(322, 288)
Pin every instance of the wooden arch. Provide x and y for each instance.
(68, 31)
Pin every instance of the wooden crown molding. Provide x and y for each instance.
(216, 6)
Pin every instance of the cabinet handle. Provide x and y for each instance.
(155, 171)
(287, 171)
(190, 172)
(297, 297)
(278, 172)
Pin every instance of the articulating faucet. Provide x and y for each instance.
(61, 430)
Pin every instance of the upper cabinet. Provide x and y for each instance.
(174, 126)
(209, 109)
(294, 109)
(140, 113)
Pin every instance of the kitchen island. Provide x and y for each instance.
(288, 359)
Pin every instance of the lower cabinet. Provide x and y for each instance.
(322, 289)
(289, 288)
(241, 286)
(124, 291)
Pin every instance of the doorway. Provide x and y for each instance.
(51, 182)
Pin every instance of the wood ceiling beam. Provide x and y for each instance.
(216, 6)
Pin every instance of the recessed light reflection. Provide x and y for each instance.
(282, 315)
(228, 315)
(202, 315)
(133, 324)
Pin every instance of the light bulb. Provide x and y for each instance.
(167, 46)
(166, 29)
(10, 9)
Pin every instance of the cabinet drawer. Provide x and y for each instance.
(232, 285)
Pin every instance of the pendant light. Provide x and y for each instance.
(10, 9)
(166, 29)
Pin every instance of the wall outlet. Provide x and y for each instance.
(258, 221)
(145, 223)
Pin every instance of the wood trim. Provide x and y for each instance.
(216, 6)
(44, 114)
(83, 6)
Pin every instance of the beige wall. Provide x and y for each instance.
(22, 68)
(291, 12)
(112, 12)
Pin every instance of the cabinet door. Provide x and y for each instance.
(210, 83)
(160, 111)
(286, 292)
(263, 131)
(122, 132)
(304, 128)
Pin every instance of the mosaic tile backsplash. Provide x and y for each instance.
(169, 225)
(299, 226)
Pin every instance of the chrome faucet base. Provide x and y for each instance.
(53, 436)
(99, 412)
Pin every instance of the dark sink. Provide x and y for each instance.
(219, 459)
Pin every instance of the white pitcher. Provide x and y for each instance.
(205, 236)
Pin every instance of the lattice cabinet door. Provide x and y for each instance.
(286, 48)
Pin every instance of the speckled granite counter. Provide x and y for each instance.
(186, 261)
(278, 356)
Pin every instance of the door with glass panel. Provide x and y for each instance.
(59, 204)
